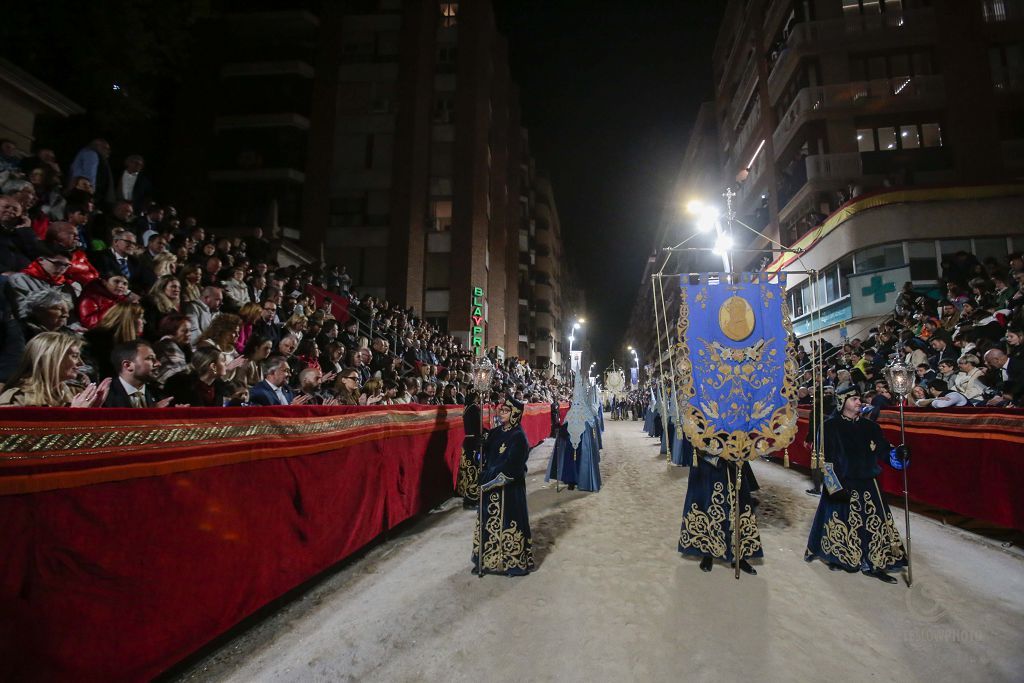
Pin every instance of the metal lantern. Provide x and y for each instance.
(901, 379)
(483, 371)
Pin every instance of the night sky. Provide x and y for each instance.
(610, 91)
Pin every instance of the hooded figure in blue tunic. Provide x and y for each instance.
(576, 458)
(651, 413)
(502, 543)
(853, 529)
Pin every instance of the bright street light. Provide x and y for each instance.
(694, 206)
(722, 245)
(707, 220)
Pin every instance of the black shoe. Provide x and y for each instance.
(706, 563)
(745, 568)
(572, 487)
(881, 576)
(813, 492)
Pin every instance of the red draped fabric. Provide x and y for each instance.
(966, 460)
(132, 538)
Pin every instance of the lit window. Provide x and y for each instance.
(931, 135)
(866, 139)
(909, 137)
(887, 139)
(449, 14)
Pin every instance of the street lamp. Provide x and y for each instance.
(708, 219)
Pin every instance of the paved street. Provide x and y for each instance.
(612, 600)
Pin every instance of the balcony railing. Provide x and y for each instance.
(740, 147)
(851, 97)
(834, 166)
(908, 25)
(993, 11)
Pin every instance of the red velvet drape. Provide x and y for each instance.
(117, 579)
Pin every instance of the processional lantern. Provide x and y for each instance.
(483, 371)
(900, 378)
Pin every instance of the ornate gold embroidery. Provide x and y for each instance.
(708, 531)
(843, 540)
(505, 548)
(468, 484)
(775, 432)
(502, 447)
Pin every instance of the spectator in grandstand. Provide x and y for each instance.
(134, 386)
(172, 348)
(45, 273)
(18, 243)
(968, 380)
(47, 310)
(201, 311)
(61, 236)
(947, 372)
(99, 295)
(203, 384)
(92, 163)
(123, 322)
(120, 257)
(164, 298)
(1010, 373)
(274, 389)
(941, 396)
(133, 185)
(51, 360)
(346, 387)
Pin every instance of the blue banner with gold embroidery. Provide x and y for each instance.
(737, 365)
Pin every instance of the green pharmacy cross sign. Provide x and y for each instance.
(476, 316)
(878, 289)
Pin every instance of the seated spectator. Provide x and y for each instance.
(221, 334)
(274, 389)
(249, 313)
(63, 237)
(296, 326)
(201, 311)
(190, 287)
(925, 373)
(266, 325)
(1011, 376)
(332, 357)
(46, 272)
(172, 347)
(940, 396)
(346, 387)
(257, 350)
(882, 399)
(236, 292)
(47, 311)
(99, 295)
(203, 385)
(372, 393)
(1015, 343)
(310, 382)
(50, 361)
(165, 263)
(123, 322)
(120, 257)
(134, 385)
(308, 353)
(164, 298)
(18, 243)
(947, 372)
(968, 380)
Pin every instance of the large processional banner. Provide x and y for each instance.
(736, 362)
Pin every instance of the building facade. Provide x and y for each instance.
(871, 135)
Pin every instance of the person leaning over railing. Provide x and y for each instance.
(50, 362)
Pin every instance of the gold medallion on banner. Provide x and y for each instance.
(736, 318)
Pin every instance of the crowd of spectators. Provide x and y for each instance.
(110, 298)
(967, 348)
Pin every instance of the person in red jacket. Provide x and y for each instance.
(64, 236)
(99, 295)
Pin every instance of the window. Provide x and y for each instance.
(887, 138)
(877, 258)
(923, 265)
(909, 137)
(931, 135)
(441, 214)
(449, 14)
(866, 139)
(993, 10)
(1007, 65)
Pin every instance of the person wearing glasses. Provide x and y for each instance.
(120, 258)
(46, 272)
(347, 387)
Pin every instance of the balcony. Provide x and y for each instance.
(810, 36)
(820, 172)
(994, 11)
(744, 93)
(739, 149)
(544, 264)
(875, 97)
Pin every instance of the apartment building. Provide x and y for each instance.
(873, 134)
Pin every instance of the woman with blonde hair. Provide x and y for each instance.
(373, 392)
(164, 297)
(165, 264)
(123, 322)
(191, 282)
(49, 362)
(295, 326)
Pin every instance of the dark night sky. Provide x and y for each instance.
(610, 91)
